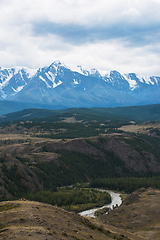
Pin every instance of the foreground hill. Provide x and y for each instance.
(33, 220)
(139, 214)
(138, 218)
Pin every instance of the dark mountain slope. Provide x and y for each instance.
(141, 113)
(45, 164)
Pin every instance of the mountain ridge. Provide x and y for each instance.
(59, 85)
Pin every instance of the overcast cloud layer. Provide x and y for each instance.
(122, 35)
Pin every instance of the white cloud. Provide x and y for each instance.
(112, 55)
(131, 12)
(122, 35)
(79, 11)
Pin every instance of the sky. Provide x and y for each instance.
(122, 35)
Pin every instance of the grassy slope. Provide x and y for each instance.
(23, 220)
(139, 213)
(137, 218)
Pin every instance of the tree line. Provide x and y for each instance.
(128, 184)
(72, 199)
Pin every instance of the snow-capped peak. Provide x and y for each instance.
(84, 71)
(58, 64)
(30, 71)
(16, 69)
(75, 68)
(63, 84)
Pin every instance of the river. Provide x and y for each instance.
(116, 201)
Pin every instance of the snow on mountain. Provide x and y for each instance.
(18, 89)
(77, 69)
(44, 81)
(77, 86)
(30, 72)
(5, 76)
(132, 82)
(84, 71)
(146, 79)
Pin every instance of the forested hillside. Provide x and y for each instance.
(137, 113)
(35, 164)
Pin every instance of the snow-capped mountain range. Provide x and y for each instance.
(77, 87)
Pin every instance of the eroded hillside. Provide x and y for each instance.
(40, 164)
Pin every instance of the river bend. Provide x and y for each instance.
(115, 201)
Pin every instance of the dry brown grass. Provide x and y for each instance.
(23, 220)
(141, 128)
(33, 220)
(71, 120)
(139, 214)
(14, 136)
